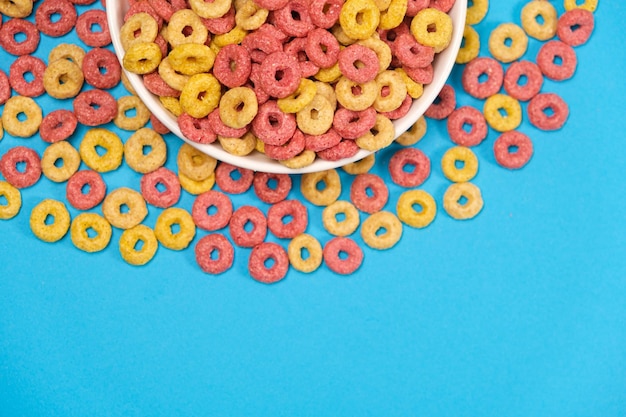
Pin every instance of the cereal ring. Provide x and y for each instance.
(470, 46)
(341, 218)
(359, 18)
(69, 52)
(221, 25)
(476, 12)
(172, 105)
(18, 106)
(232, 179)
(557, 60)
(401, 111)
(95, 107)
(287, 219)
(400, 163)
(161, 188)
(369, 193)
(293, 19)
(462, 200)
(328, 75)
(232, 66)
(239, 146)
(101, 68)
(316, 117)
(136, 121)
(393, 16)
(145, 151)
(499, 45)
(325, 13)
(143, 58)
(305, 159)
(391, 92)
(208, 10)
(459, 155)
(523, 80)
(356, 96)
(9, 35)
(482, 67)
(131, 239)
(280, 74)
(330, 191)
(235, 36)
(239, 220)
(358, 63)
(258, 261)
(338, 264)
(5, 87)
(322, 48)
(196, 130)
(467, 126)
(575, 27)
(63, 79)
(194, 164)
(412, 217)
(221, 129)
(301, 247)
(80, 231)
(443, 105)
(12, 201)
(271, 188)
(158, 125)
(317, 143)
(201, 95)
(384, 134)
(360, 167)
(93, 29)
(16, 8)
(238, 107)
(381, 230)
(351, 124)
(57, 125)
(95, 139)
(27, 64)
(547, 111)
(414, 134)
(191, 58)
(214, 254)
(293, 147)
(410, 53)
(306, 92)
(196, 187)
(140, 27)
(250, 16)
(50, 220)
(513, 149)
(589, 5)
(85, 190)
(344, 149)
(498, 104)
(531, 13)
(420, 75)
(272, 126)
(202, 213)
(17, 177)
(432, 27)
(124, 208)
(165, 226)
(259, 45)
(67, 155)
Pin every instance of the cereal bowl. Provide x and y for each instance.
(442, 66)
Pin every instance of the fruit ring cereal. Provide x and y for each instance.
(96, 139)
(297, 101)
(145, 57)
(360, 167)
(352, 124)
(145, 151)
(287, 151)
(400, 167)
(356, 96)
(101, 68)
(80, 232)
(575, 27)
(201, 211)
(140, 27)
(16, 8)
(325, 13)
(9, 37)
(129, 245)
(462, 200)
(196, 130)
(238, 107)
(305, 243)
(266, 191)
(232, 179)
(513, 149)
(239, 146)
(280, 74)
(191, 58)
(589, 5)
(463, 156)
(538, 109)
(200, 95)
(381, 230)
(287, 219)
(473, 72)
(460, 120)
(67, 51)
(214, 245)
(63, 79)
(392, 92)
(272, 126)
(165, 226)
(471, 46)
(512, 116)
(338, 264)
(326, 194)
(195, 164)
(444, 105)
(317, 143)
(69, 157)
(530, 14)
(124, 208)
(26, 106)
(137, 121)
(57, 125)
(499, 47)
(341, 218)
(196, 187)
(348, 148)
(261, 256)
(27, 64)
(95, 107)
(46, 21)
(152, 183)
(532, 75)
(548, 60)
(5, 87)
(50, 220)
(414, 134)
(432, 27)
(13, 199)
(237, 226)
(407, 213)
(369, 193)
(16, 177)
(85, 190)
(322, 48)
(358, 63)
(384, 133)
(93, 29)
(476, 12)
(410, 53)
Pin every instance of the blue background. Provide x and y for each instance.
(518, 312)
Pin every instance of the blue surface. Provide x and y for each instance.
(519, 312)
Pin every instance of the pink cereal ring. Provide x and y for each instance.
(166, 8)
(478, 68)
(93, 29)
(158, 126)
(272, 4)
(259, 258)
(523, 80)
(156, 85)
(101, 68)
(335, 262)
(5, 87)
(362, 186)
(443, 5)
(85, 189)
(294, 19)
(143, 6)
(27, 64)
(238, 225)
(400, 111)
(280, 74)
(444, 105)
(57, 125)
(401, 162)
(325, 13)
(271, 188)
(411, 53)
(208, 201)
(291, 148)
(322, 48)
(221, 25)
(344, 149)
(260, 45)
(358, 63)
(547, 111)
(575, 27)
(13, 174)
(214, 254)
(420, 75)
(318, 143)
(232, 66)
(196, 130)
(389, 36)
(470, 118)
(272, 126)
(557, 60)
(287, 219)
(351, 124)
(255, 83)
(220, 129)
(513, 149)
(414, 6)
(232, 179)
(95, 107)
(55, 27)
(160, 198)
(8, 37)
(297, 48)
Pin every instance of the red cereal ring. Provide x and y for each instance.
(232, 179)
(259, 258)
(27, 64)
(85, 189)
(57, 125)
(12, 170)
(143, 7)
(101, 68)
(271, 188)
(318, 143)
(411, 53)
(358, 63)
(214, 254)
(351, 124)
(166, 8)
(400, 111)
(345, 149)
(272, 126)
(272, 4)
(338, 264)
(220, 129)
(389, 36)
(474, 72)
(294, 19)
(409, 167)
(196, 130)
(261, 44)
(547, 111)
(575, 27)
(465, 118)
(93, 29)
(414, 6)
(523, 80)
(5, 87)
(420, 75)
(288, 150)
(255, 83)
(323, 48)
(237, 226)
(202, 211)
(513, 149)
(56, 27)
(280, 74)
(325, 13)
(95, 107)
(443, 5)
(297, 48)
(443, 105)
(362, 186)
(232, 66)
(557, 60)
(161, 188)
(158, 125)
(8, 37)
(221, 25)
(156, 85)
(287, 219)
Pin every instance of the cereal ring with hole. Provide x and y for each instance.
(67, 51)
(304, 95)
(14, 123)
(401, 163)
(393, 16)
(352, 124)
(459, 164)
(138, 245)
(467, 126)
(322, 48)
(221, 129)
(11, 167)
(557, 60)
(476, 12)
(325, 13)
(214, 254)
(271, 188)
(238, 226)
(316, 117)
(250, 16)
(523, 80)
(462, 201)
(124, 208)
(191, 58)
(140, 27)
(359, 18)
(360, 167)
(470, 46)
(293, 147)
(101, 69)
(161, 188)
(421, 217)
(513, 149)
(238, 107)
(143, 58)
(16, 8)
(329, 182)
(145, 151)
(90, 223)
(239, 146)
(341, 218)
(196, 187)
(128, 105)
(543, 29)
(96, 139)
(338, 264)
(212, 10)
(547, 111)
(50, 220)
(232, 179)
(287, 219)
(35, 68)
(575, 27)
(589, 5)
(494, 108)
(196, 130)
(10, 33)
(57, 125)
(317, 143)
(473, 73)
(92, 28)
(432, 27)
(293, 19)
(411, 53)
(259, 45)
(172, 78)
(201, 95)
(85, 190)
(414, 134)
(157, 85)
(12, 201)
(258, 263)
(344, 149)
(232, 66)
(194, 164)
(356, 96)
(384, 133)
(185, 26)
(280, 74)
(202, 213)
(391, 92)
(508, 42)
(381, 230)
(369, 193)
(175, 228)
(64, 153)
(444, 105)
(63, 79)
(95, 107)
(305, 253)
(272, 126)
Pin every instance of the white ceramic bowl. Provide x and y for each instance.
(256, 161)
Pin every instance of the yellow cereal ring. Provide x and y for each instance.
(15, 106)
(63, 79)
(328, 75)
(300, 98)
(499, 38)
(328, 92)
(178, 33)
(124, 105)
(381, 49)
(312, 246)
(359, 18)
(238, 107)
(510, 106)
(385, 133)
(393, 15)
(88, 223)
(179, 239)
(325, 196)
(191, 58)
(382, 4)
(341, 36)
(235, 36)
(101, 138)
(347, 225)
(383, 221)
(345, 92)
(172, 104)
(124, 208)
(16, 8)
(194, 164)
(250, 16)
(210, 10)
(393, 84)
(432, 27)
(476, 12)
(414, 134)
(462, 200)
(360, 167)
(131, 238)
(12, 198)
(68, 51)
(201, 95)
(464, 156)
(239, 146)
(140, 27)
(142, 58)
(196, 187)
(589, 5)
(145, 151)
(412, 217)
(470, 47)
(542, 31)
(415, 90)
(172, 78)
(316, 117)
(50, 220)
(64, 152)
(303, 159)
